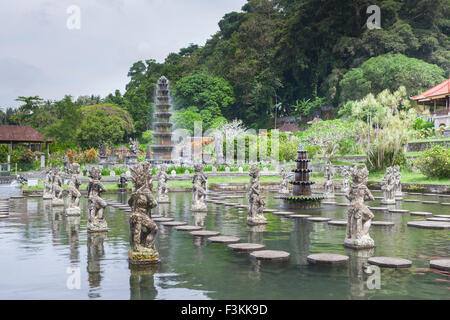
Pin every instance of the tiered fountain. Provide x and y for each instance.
(302, 195)
(162, 149)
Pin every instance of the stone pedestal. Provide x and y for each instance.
(144, 256)
(58, 202)
(199, 207)
(73, 212)
(131, 160)
(97, 226)
(163, 198)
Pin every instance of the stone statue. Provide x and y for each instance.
(48, 184)
(163, 189)
(199, 189)
(102, 149)
(57, 190)
(359, 215)
(134, 147)
(112, 155)
(345, 180)
(284, 185)
(142, 228)
(329, 185)
(397, 183)
(255, 202)
(73, 200)
(96, 205)
(388, 187)
(66, 164)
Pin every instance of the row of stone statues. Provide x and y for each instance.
(392, 187)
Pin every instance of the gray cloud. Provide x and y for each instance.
(41, 56)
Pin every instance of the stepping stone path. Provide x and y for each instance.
(337, 222)
(429, 224)
(382, 223)
(445, 204)
(319, 219)
(438, 219)
(430, 202)
(173, 223)
(269, 210)
(188, 228)
(299, 216)
(415, 193)
(326, 258)
(420, 213)
(378, 198)
(224, 239)
(270, 255)
(283, 213)
(378, 208)
(329, 202)
(443, 216)
(163, 219)
(204, 233)
(411, 200)
(246, 246)
(343, 204)
(389, 262)
(156, 216)
(398, 210)
(430, 194)
(440, 264)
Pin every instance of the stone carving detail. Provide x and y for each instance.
(134, 147)
(329, 184)
(397, 183)
(199, 189)
(359, 215)
(57, 190)
(388, 187)
(96, 205)
(255, 202)
(73, 199)
(345, 180)
(102, 149)
(163, 190)
(142, 228)
(284, 185)
(48, 184)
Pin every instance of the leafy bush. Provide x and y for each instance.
(91, 156)
(4, 151)
(22, 155)
(434, 162)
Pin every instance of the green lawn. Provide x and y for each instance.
(410, 177)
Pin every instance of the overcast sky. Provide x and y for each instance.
(40, 55)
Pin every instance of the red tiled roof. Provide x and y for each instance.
(439, 90)
(20, 134)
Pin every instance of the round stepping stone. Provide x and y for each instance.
(444, 195)
(415, 193)
(438, 219)
(326, 258)
(269, 210)
(440, 264)
(420, 213)
(173, 223)
(224, 239)
(378, 208)
(4, 215)
(246, 246)
(270, 255)
(299, 216)
(337, 222)
(389, 262)
(443, 216)
(156, 216)
(204, 233)
(429, 225)
(445, 204)
(430, 202)
(163, 219)
(382, 223)
(398, 210)
(343, 204)
(229, 204)
(188, 228)
(329, 202)
(318, 219)
(430, 194)
(244, 207)
(411, 200)
(282, 213)
(378, 198)
(17, 197)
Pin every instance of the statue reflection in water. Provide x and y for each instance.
(142, 283)
(73, 235)
(56, 223)
(358, 272)
(96, 252)
(256, 233)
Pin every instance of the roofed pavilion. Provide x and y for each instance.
(438, 98)
(23, 135)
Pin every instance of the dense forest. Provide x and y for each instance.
(288, 57)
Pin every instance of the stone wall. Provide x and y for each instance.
(421, 146)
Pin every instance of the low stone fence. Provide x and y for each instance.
(421, 146)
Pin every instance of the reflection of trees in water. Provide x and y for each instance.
(142, 281)
(96, 252)
(73, 233)
(357, 264)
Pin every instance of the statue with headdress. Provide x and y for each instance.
(57, 189)
(73, 199)
(255, 201)
(329, 184)
(199, 189)
(388, 187)
(142, 228)
(284, 185)
(96, 204)
(163, 190)
(47, 184)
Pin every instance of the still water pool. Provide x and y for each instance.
(42, 252)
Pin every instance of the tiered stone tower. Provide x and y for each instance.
(162, 149)
(302, 185)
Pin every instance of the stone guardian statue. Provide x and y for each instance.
(163, 190)
(256, 203)
(96, 205)
(199, 189)
(73, 199)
